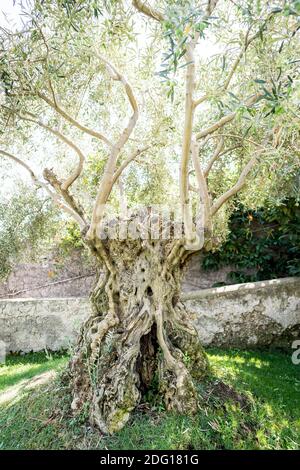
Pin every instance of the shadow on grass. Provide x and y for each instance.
(18, 368)
(271, 376)
(41, 418)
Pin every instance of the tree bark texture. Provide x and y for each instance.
(138, 334)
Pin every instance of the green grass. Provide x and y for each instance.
(267, 382)
(20, 368)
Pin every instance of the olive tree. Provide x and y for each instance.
(211, 126)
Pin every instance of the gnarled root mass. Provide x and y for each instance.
(138, 333)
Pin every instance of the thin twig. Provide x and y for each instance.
(11, 294)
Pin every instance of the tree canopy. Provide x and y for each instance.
(65, 97)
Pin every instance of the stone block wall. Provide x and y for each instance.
(37, 324)
(259, 314)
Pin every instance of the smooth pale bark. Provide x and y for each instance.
(107, 180)
(144, 7)
(71, 120)
(215, 155)
(53, 194)
(186, 145)
(202, 190)
(29, 117)
(239, 184)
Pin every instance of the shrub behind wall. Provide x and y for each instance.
(262, 244)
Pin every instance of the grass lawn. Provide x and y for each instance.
(251, 402)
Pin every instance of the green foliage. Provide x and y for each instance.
(266, 241)
(93, 172)
(25, 220)
(269, 421)
(183, 20)
(292, 7)
(71, 237)
(56, 49)
(72, 15)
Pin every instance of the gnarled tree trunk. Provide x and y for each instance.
(139, 333)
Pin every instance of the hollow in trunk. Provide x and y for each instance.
(139, 334)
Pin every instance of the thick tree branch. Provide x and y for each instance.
(217, 125)
(201, 100)
(239, 184)
(215, 155)
(29, 117)
(192, 239)
(52, 179)
(202, 188)
(187, 139)
(107, 180)
(211, 5)
(73, 121)
(226, 119)
(143, 7)
(126, 162)
(54, 196)
(188, 134)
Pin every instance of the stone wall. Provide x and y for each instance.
(51, 276)
(37, 324)
(74, 277)
(259, 314)
(197, 278)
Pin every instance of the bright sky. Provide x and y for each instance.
(10, 13)
(11, 18)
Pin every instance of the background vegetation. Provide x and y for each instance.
(262, 244)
